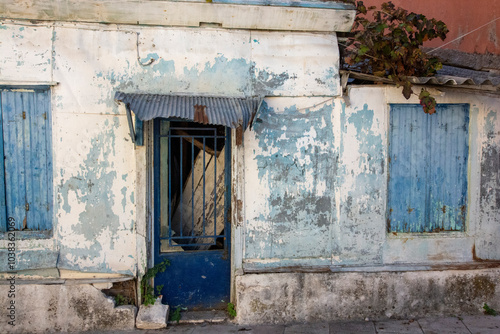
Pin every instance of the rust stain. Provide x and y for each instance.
(252, 119)
(438, 257)
(239, 207)
(478, 259)
(463, 216)
(474, 256)
(466, 266)
(200, 114)
(239, 135)
(410, 210)
(290, 269)
(441, 229)
(443, 209)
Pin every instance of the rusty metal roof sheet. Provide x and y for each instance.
(228, 111)
(474, 77)
(448, 76)
(329, 4)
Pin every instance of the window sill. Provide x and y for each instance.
(61, 276)
(28, 259)
(27, 235)
(396, 267)
(430, 235)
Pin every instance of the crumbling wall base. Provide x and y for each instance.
(41, 308)
(307, 297)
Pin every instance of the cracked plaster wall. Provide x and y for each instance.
(319, 167)
(290, 161)
(303, 153)
(97, 211)
(487, 245)
(318, 297)
(320, 171)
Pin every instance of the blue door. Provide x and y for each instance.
(192, 201)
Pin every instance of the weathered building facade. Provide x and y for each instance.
(100, 151)
(351, 261)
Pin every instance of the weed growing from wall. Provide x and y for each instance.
(148, 292)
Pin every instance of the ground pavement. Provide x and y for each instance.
(461, 325)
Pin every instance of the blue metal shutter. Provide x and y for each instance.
(427, 189)
(27, 158)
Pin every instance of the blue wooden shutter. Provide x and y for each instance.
(27, 158)
(15, 183)
(428, 168)
(3, 207)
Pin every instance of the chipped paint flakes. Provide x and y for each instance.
(299, 176)
(93, 231)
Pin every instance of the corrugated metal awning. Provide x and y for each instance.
(227, 111)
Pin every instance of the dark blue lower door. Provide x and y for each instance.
(192, 201)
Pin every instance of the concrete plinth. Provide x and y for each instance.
(281, 298)
(43, 308)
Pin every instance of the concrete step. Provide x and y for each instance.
(199, 317)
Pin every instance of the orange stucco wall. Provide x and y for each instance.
(461, 16)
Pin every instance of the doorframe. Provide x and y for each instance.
(146, 214)
(145, 209)
(237, 208)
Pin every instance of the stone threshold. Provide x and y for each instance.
(200, 317)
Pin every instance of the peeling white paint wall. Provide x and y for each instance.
(314, 168)
(289, 176)
(99, 177)
(354, 233)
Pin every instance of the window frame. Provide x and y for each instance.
(394, 231)
(49, 220)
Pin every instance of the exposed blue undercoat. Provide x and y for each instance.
(93, 187)
(322, 170)
(223, 77)
(94, 207)
(360, 183)
(297, 159)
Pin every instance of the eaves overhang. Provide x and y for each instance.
(225, 14)
(448, 81)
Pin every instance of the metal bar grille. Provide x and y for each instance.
(197, 186)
